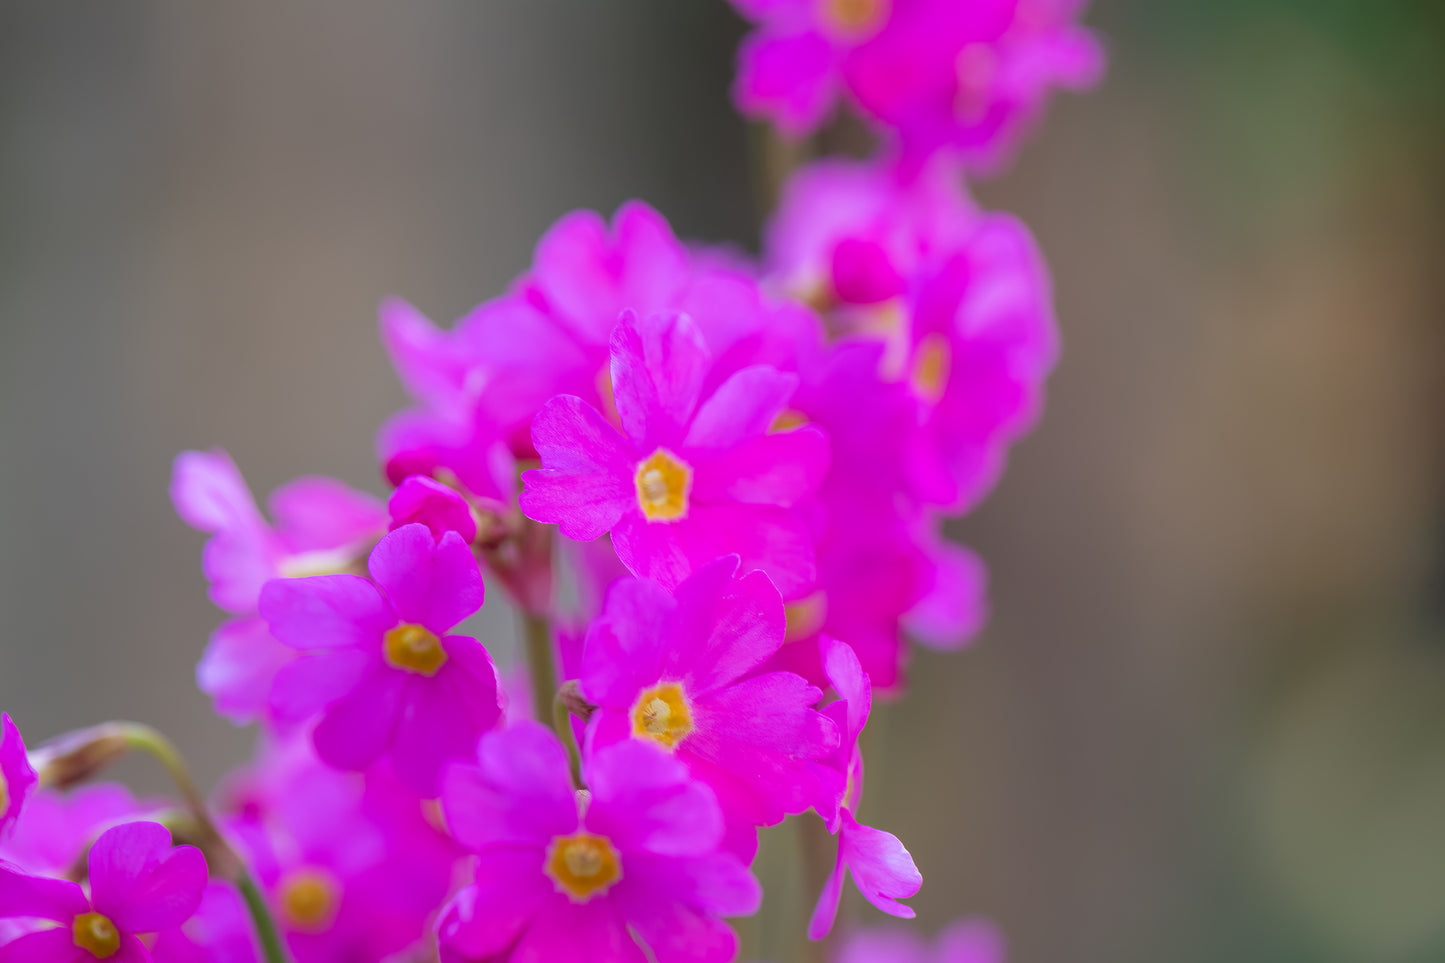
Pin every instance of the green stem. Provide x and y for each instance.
(541, 665)
(271, 946)
(562, 722)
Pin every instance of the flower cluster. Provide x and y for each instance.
(713, 489)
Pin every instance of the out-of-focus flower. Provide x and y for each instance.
(881, 867)
(352, 865)
(219, 931)
(679, 672)
(564, 876)
(689, 478)
(931, 74)
(965, 941)
(321, 526)
(139, 884)
(56, 827)
(17, 776)
(379, 665)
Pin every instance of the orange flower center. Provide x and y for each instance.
(4, 794)
(806, 616)
(855, 16)
(309, 899)
(663, 482)
(662, 714)
(583, 865)
(97, 935)
(930, 366)
(413, 648)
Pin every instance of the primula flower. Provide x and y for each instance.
(352, 866)
(934, 74)
(379, 665)
(881, 867)
(563, 876)
(17, 776)
(678, 671)
(139, 884)
(689, 478)
(321, 526)
(965, 941)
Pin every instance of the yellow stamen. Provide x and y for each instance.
(97, 935)
(4, 794)
(413, 648)
(806, 616)
(663, 483)
(855, 16)
(662, 714)
(309, 899)
(930, 366)
(583, 865)
(788, 420)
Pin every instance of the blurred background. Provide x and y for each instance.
(1207, 719)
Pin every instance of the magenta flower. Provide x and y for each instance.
(17, 776)
(321, 526)
(351, 865)
(380, 667)
(689, 478)
(881, 867)
(563, 877)
(679, 671)
(965, 941)
(138, 884)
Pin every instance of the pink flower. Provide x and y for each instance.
(881, 867)
(351, 865)
(679, 671)
(965, 941)
(690, 477)
(321, 526)
(441, 509)
(379, 665)
(933, 74)
(970, 334)
(138, 884)
(55, 828)
(562, 876)
(17, 776)
(220, 931)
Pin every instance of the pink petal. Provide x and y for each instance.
(521, 793)
(624, 648)
(237, 562)
(37, 897)
(359, 727)
(141, 882)
(426, 358)
(571, 265)
(891, 945)
(312, 682)
(955, 605)
(46, 946)
(209, 493)
(767, 538)
(564, 930)
(787, 78)
(642, 799)
(725, 627)
(585, 482)
(653, 550)
(659, 363)
(881, 866)
(971, 941)
(826, 911)
(239, 666)
(781, 468)
(436, 726)
(440, 508)
(864, 273)
(435, 583)
(714, 883)
(314, 513)
(326, 611)
(846, 676)
(742, 407)
(16, 774)
(674, 931)
(486, 917)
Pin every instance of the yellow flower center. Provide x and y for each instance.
(309, 899)
(662, 713)
(413, 648)
(583, 865)
(930, 366)
(787, 420)
(97, 935)
(806, 616)
(663, 483)
(855, 16)
(4, 794)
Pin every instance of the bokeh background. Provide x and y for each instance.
(1207, 718)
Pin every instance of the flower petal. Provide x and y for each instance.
(643, 800)
(519, 794)
(141, 882)
(326, 611)
(45, 946)
(486, 917)
(725, 627)
(625, 645)
(585, 483)
(431, 582)
(239, 666)
(23, 896)
(659, 363)
(314, 681)
(359, 727)
(742, 407)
